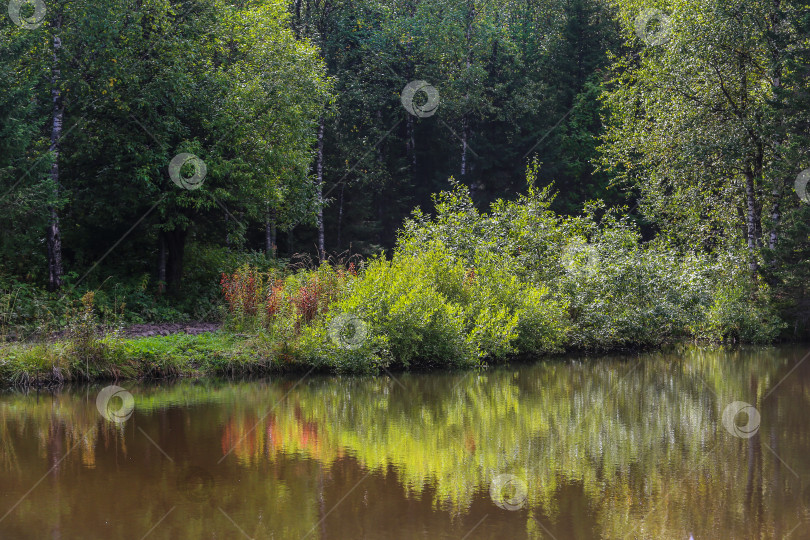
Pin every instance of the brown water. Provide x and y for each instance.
(631, 447)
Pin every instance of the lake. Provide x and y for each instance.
(695, 442)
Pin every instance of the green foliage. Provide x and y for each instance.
(317, 348)
(433, 309)
(709, 126)
(88, 354)
(467, 287)
(23, 306)
(618, 290)
(231, 84)
(401, 300)
(28, 311)
(740, 312)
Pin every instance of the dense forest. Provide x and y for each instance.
(158, 153)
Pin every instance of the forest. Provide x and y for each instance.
(358, 185)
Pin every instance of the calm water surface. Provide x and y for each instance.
(631, 447)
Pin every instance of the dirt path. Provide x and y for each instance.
(165, 329)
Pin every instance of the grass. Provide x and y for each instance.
(178, 355)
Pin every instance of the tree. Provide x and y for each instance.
(228, 84)
(690, 120)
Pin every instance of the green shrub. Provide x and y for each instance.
(398, 300)
(319, 347)
(86, 352)
(739, 313)
(434, 310)
(618, 290)
(543, 324)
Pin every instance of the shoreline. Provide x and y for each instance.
(207, 355)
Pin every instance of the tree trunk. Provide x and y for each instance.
(176, 241)
(297, 25)
(776, 57)
(270, 233)
(464, 120)
(464, 145)
(776, 217)
(54, 237)
(162, 262)
(381, 217)
(751, 220)
(321, 246)
(340, 217)
(410, 145)
(758, 173)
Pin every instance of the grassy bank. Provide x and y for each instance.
(219, 354)
(114, 358)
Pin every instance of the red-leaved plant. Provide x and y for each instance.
(274, 299)
(254, 299)
(306, 300)
(243, 291)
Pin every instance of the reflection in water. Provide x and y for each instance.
(617, 448)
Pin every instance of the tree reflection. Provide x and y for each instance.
(629, 445)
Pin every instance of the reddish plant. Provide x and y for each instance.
(242, 290)
(274, 299)
(247, 294)
(306, 300)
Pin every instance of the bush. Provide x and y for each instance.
(397, 300)
(738, 312)
(259, 301)
(434, 310)
(88, 353)
(465, 288)
(619, 291)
